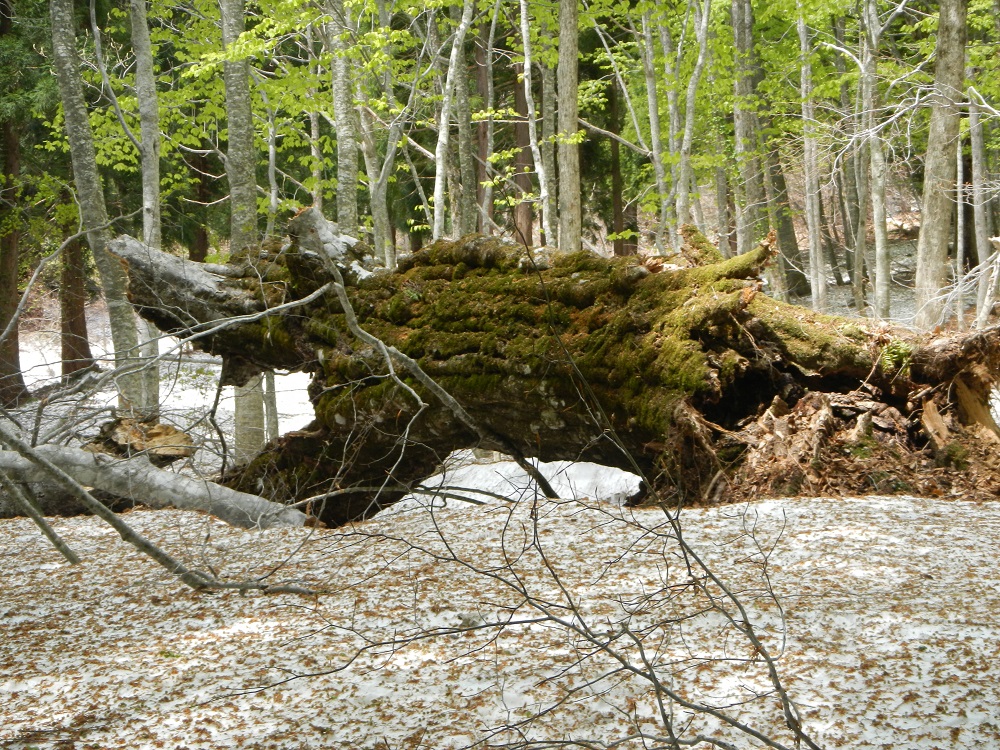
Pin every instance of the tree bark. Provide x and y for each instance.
(648, 54)
(137, 478)
(810, 166)
(444, 120)
(750, 209)
(76, 354)
(570, 205)
(12, 387)
(346, 119)
(91, 197)
(939, 165)
(523, 213)
(685, 168)
(678, 368)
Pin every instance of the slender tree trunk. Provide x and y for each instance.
(872, 34)
(617, 185)
(780, 213)
(149, 123)
(12, 386)
(830, 245)
(149, 129)
(527, 99)
(724, 220)
(76, 354)
(984, 302)
(550, 207)
(468, 217)
(860, 258)
(346, 121)
(444, 121)
(655, 138)
(523, 214)
(91, 198)
(685, 169)
(939, 164)
(315, 150)
(848, 175)
(750, 211)
(672, 57)
(570, 203)
(240, 168)
(485, 127)
(959, 237)
(817, 270)
(271, 406)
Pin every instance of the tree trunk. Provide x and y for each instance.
(346, 119)
(157, 488)
(617, 185)
(250, 431)
(444, 120)
(793, 278)
(12, 387)
(76, 355)
(984, 302)
(685, 168)
(751, 220)
(817, 267)
(550, 207)
(466, 199)
(570, 205)
(692, 376)
(939, 165)
(523, 213)
(249, 435)
(527, 101)
(648, 53)
(485, 127)
(90, 196)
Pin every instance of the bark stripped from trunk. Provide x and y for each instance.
(692, 376)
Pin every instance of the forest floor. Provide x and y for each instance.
(890, 638)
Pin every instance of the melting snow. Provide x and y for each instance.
(890, 637)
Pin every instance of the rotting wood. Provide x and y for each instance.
(668, 371)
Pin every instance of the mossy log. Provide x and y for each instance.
(691, 375)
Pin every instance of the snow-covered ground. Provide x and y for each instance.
(890, 640)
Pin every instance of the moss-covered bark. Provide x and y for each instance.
(560, 356)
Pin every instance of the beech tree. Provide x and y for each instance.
(90, 194)
(938, 204)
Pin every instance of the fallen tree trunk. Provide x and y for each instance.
(691, 376)
(157, 488)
